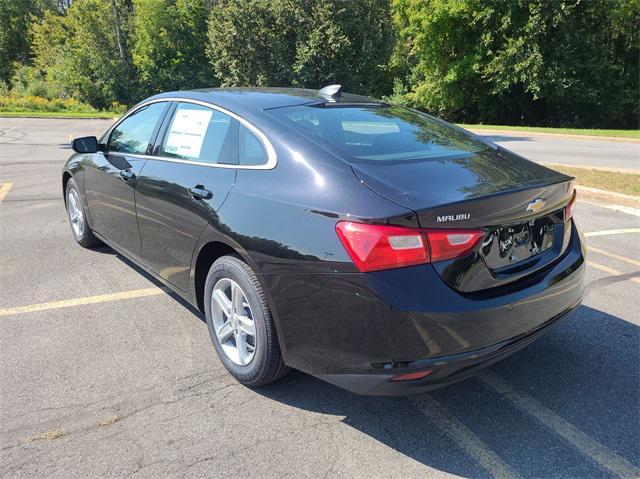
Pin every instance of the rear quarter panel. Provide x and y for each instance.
(285, 217)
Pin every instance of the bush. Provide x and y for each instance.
(29, 81)
(29, 103)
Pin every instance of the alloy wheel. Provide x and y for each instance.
(76, 214)
(233, 321)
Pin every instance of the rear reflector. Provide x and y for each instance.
(447, 244)
(411, 376)
(376, 247)
(568, 210)
(379, 247)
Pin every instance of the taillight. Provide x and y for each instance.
(568, 210)
(448, 244)
(378, 247)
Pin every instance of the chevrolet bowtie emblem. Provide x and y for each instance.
(536, 205)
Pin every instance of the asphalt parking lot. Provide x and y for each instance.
(623, 156)
(104, 374)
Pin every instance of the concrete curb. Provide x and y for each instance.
(607, 197)
(560, 135)
(628, 171)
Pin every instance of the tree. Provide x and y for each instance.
(556, 63)
(344, 42)
(15, 17)
(169, 44)
(252, 43)
(80, 52)
(306, 43)
(566, 62)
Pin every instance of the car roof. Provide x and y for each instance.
(237, 99)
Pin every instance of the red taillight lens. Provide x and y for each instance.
(411, 376)
(568, 210)
(447, 244)
(376, 247)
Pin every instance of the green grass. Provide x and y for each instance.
(59, 114)
(628, 183)
(561, 131)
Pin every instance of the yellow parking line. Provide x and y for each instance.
(4, 189)
(612, 232)
(614, 256)
(463, 437)
(66, 303)
(609, 270)
(578, 439)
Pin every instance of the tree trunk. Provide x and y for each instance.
(121, 42)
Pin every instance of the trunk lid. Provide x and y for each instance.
(519, 204)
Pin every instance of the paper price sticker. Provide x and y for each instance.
(187, 132)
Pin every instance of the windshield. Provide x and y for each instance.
(381, 133)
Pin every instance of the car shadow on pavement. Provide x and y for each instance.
(108, 250)
(585, 370)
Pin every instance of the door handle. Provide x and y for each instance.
(127, 175)
(200, 193)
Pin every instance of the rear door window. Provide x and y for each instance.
(201, 134)
(133, 134)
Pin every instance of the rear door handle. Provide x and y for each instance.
(127, 175)
(200, 193)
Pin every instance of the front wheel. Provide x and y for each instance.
(240, 323)
(78, 217)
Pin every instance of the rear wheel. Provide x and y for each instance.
(77, 217)
(240, 323)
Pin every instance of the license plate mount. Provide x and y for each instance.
(509, 245)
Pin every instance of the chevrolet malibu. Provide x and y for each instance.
(373, 246)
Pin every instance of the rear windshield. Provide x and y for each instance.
(381, 133)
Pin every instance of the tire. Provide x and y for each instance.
(265, 363)
(77, 215)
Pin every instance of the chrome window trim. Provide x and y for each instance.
(272, 160)
(197, 163)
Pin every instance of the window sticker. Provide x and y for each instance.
(370, 127)
(187, 132)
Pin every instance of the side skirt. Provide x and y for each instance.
(183, 294)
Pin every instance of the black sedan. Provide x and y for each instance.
(373, 246)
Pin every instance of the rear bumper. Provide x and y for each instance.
(446, 369)
(357, 330)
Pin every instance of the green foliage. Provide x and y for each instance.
(169, 44)
(80, 54)
(28, 103)
(251, 44)
(344, 42)
(28, 81)
(15, 16)
(308, 43)
(567, 62)
(398, 95)
(92, 66)
(554, 63)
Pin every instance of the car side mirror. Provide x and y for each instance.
(86, 144)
